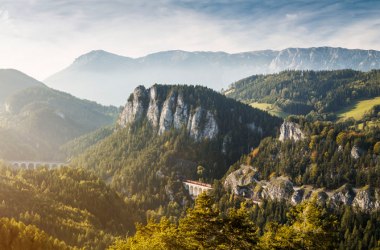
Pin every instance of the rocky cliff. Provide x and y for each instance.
(172, 112)
(290, 131)
(245, 182)
(197, 109)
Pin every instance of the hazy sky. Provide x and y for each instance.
(40, 37)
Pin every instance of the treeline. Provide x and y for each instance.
(308, 226)
(301, 92)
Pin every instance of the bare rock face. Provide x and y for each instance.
(365, 200)
(210, 127)
(290, 131)
(153, 113)
(245, 182)
(237, 180)
(135, 108)
(344, 195)
(181, 114)
(355, 152)
(167, 113)
(166, 119)
(279, 188)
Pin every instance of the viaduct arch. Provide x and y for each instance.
(36, 164)
(195, 188)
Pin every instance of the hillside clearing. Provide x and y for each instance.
(270, 108)
(358, 109)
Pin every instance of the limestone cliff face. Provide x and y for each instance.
(290, 131)
(245, 182)
(169, 112)
(135, 107)
(237, 180)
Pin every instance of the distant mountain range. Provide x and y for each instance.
(108, 78)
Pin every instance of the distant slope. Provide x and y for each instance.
(38, 120)
(12, 81)
(111, 77)
(308, 92)
(80, 144)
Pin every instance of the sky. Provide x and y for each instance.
(41, 37)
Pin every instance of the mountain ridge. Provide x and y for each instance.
(114, 76)
(36, 120)
(12, 81)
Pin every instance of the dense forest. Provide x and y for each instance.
(17, 235)
(69, 204)
(308, 92)
(332, 154)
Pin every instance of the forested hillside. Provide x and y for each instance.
(17, 235)
(71, 205)
(12, 81)
(317, 93)
(40, 120)
(332, 154)
(147, 167)
(80, 144)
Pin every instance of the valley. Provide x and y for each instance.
(189, 125)
(252, 157)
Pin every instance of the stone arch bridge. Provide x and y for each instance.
(36, 164)
(195, 188)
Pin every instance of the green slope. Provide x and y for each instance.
(308, 92)
(45, 119)
(358, 109)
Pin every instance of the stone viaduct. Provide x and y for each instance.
(35, 164)
(195, 188)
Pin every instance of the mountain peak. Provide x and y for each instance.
(98, 55)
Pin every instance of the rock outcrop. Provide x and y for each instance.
(245, 182)
(177, 107)
(290, 131)
(172, 112)
(356, 152)
(367, 200)
(239, 179)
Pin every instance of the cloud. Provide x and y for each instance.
(4, 16)
(42, 37)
